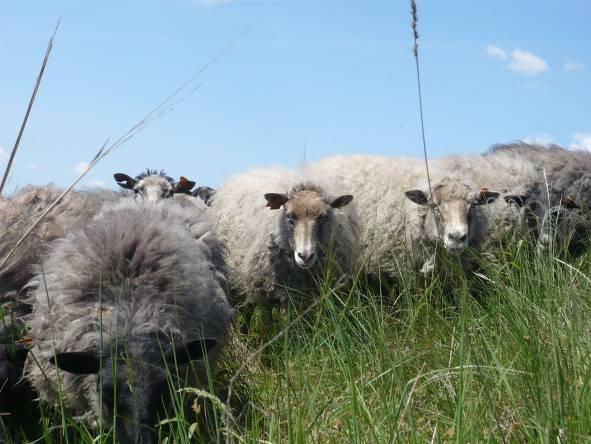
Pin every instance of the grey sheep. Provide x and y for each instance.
(555, 208)
(131, 299)
(282, 227)
(20, 211)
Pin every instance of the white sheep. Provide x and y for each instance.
(284, 230)
(398, 218)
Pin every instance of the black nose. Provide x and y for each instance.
(307, 258)
(458, 237)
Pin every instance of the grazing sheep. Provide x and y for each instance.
(20, 211)
(553, 207)
(282, 229)
(131, 299)
(153, 185)
(397, 216)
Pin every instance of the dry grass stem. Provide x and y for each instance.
(29, 108)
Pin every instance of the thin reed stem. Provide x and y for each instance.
(29, 108)
(415, 50)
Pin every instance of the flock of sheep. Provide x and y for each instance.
(115, 294)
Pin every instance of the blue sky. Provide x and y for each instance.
(331, 76)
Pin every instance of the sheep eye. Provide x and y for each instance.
(291, 219)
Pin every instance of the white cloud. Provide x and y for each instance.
(581, 141)
(96, 183)
(522, 62)
(573, 66)
(495, 52)
(3, 154)
(542, 139)
(81, 167)
(527, 63)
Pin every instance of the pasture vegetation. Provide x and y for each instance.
(500, 355)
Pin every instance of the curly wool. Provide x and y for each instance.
(20, 211)
(568, 171)
(392, 224)
(260, 260)
(136, 269)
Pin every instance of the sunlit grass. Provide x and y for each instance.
(498, 356)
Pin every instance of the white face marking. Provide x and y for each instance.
(153, 188)
(456, 228)
(305, 243)
(306, 211)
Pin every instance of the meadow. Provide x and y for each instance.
(501, 354)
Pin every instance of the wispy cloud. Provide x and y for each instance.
(522, 62)
(96, 183)
(581, 141)
(33, 167)
(527, 63)
(81, 167)
(3, 154)
(542, 139)
(494, 52)
(573, 66)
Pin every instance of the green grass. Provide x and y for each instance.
(502, 356)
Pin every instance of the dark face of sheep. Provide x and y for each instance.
(206, 194)
(135, 384)
(154, 186)
(307, 217)
(552, 218)
(450, 217)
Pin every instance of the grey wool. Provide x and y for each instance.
(20, 211)
(143, 277)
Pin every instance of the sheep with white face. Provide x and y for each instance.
(280, 243)
(153, 185)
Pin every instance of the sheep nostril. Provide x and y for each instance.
(463, 238)
(307, 258)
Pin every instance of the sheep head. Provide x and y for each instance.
(307, 219)
(153, 186)
(552, 217)
(450, 218)
(136, 382)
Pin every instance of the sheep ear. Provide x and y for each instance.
(485, 197)
(417, 196)
(123, 180)
(276, 200)
(341, 201)
(567, 202)
(184, 185)
(515, 200)
(79, 363)
(191, 351)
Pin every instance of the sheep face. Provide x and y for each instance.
(206, 194)
(153, 186)
(450, 217)
(306, 218)
(554, 219)
(134, 383)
